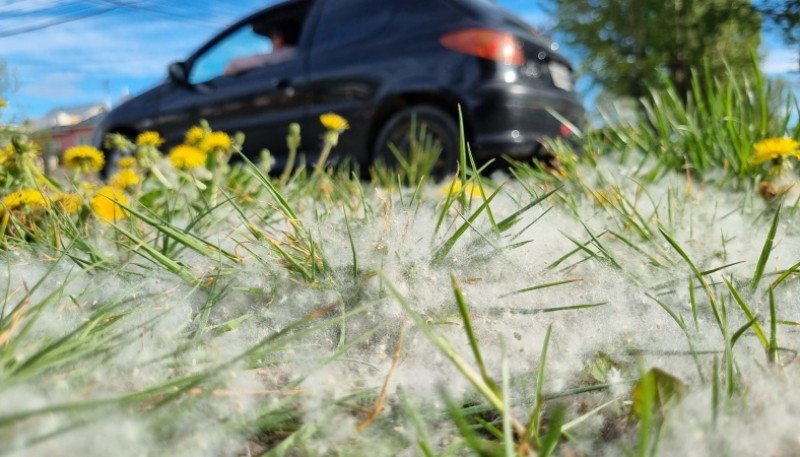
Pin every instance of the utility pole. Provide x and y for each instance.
(107, 91)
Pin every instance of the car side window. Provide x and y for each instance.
(241, 43)
(347, 21)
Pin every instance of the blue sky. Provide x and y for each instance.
(108, 49)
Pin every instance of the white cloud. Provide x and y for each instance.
(55, 86)
(134, 45)
(781, 61)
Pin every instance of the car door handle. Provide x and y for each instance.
(281, 83)
(285, 85)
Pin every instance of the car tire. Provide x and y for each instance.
(440, 129)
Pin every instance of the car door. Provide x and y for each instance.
(346, 67)
(260, 102)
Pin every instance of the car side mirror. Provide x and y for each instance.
(178, 73)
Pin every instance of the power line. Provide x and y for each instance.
(57, 8)
(141, 6)
(26, 9)
(37, 27)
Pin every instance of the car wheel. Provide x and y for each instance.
(423, 136)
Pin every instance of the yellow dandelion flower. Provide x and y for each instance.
(3, 103)
(149, 138)
(454, 188)
(87, 187)
(194, 136)
(106, 204)
(214, 141)
(6, 155)
(24, 198)
(84, 158)
(334, 122)
(69, 203)
(127, 162)
(774, 148)
(125, 178)
(186, 157)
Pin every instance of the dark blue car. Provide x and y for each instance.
(379, 64)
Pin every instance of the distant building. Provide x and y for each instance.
(63, 128)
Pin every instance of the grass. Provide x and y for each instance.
(635, 299)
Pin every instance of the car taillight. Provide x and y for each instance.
(487, 43)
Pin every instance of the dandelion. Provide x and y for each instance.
(6, 155)
(333, 121)
(455, 187)
(87, 187)
(106, 204)
(127, 162)
(774, 149)
(186, 157)
(24, 199)
(125, 178)
(68, 202)
(194, 136)
(336, 125)
(3, 103)
(149, 138)
(85, 159)
(215, 141)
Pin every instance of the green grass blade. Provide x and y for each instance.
(442, 252)
(448, 350)
(467, 321)
(157, 256)
(533, 426)
(693, 302)
(187, 239)
(550, 440)
(747, 312)
(462, 149)
(773, 329)
(738, 333)
(646, 405)
(502, 310)
(785, 275)
(540, 286)
(508, 432)
(765, 251)
(284, 205)
(423, 438)
(509, 222)
(479, 446)
(352, 244)
(697, 273)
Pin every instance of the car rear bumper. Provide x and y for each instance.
(512, 120)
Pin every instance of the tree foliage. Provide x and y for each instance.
(785, 14)
(628, 44)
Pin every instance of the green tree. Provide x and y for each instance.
(785, 15)
(627, 44)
